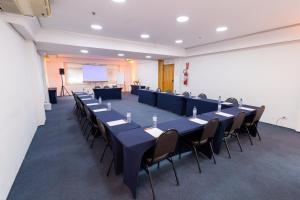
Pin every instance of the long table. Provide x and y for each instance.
(108, 116)
(108, 93)
(147, 97)
(170, 102)
(135, 89)
(136, 141)
(203, 105)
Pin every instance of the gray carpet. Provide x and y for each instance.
(60, 165)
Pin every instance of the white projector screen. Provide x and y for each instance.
(94, 73)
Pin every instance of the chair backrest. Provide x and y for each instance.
(147, 88)
(259, 113)
(210, 129)
(103, 131)
(232, 100)
(165, 144)
(237, 121)
(97, 87)
(202, 96)
(186, 94)
(158, 90)
(106, 87)
(88, 113)
(114, 86)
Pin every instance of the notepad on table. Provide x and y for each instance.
(86, 99)
(117, 122)
(226, 103)
(155, 132)
(100, 110)
(198, 121)
(245, 108)
(224, 114)
(83, 95)
(92, 104)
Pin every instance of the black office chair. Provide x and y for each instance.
(199, 139)
(232, 100)
(107, 141)
(147, 88)
(164, 149)
(186, 94)
(234, 131)
(114, 86)
(91, 125)
(106, 87)
(202, 96)
(97, 87)
(252, 124)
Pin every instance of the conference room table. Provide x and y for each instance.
(147, 97)
(108, 116)
(203, 105)
(135, 89)
(137, 141)
(108, 93)
(170, 102)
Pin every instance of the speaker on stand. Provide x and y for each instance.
(63, 90)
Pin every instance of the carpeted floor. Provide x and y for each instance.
(60, 165)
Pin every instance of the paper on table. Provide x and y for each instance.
(83, 95)
(92, 104)
(224, 114)
(117, 122)
(226, 103)
(198, 121)
(181, 95)
(100, 110)
(86, 99)
(245, 108)
(155, 132)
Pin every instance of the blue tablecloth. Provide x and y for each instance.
(135, 88)
(202, 105)
(148, 97)
(109, 93)
(173, 103)
(108, 116)
(136, 142)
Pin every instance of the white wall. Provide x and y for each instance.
(22, 102)
(147, 73)
(266, 75)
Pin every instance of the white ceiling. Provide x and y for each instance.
(158, 18)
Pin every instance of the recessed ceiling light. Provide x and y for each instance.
(148, 57)
(222, 29)
(121, 54)
(178, 41)
(96, 27)
(145, 36)
(182, 19)
(84, 51)
(119, 1)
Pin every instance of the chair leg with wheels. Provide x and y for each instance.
(226, 144)
(212, 152)
(197, 158)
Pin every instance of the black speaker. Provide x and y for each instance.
(61, 71)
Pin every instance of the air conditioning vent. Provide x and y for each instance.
(40, 8)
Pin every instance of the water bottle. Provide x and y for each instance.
(128, 115)
(241, 102)
(109, 106)
(100, 100)
(219, 104)
(154, 119)
(194, 112)
(190, 94)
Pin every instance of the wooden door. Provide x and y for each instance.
(168, 77)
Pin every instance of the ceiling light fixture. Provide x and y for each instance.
(84, 51)
(182, 19)
(178, 41)
(119, 1)
(148, 57)
(121, 54)
(222, 29)
(145, 36)
(96, 27)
